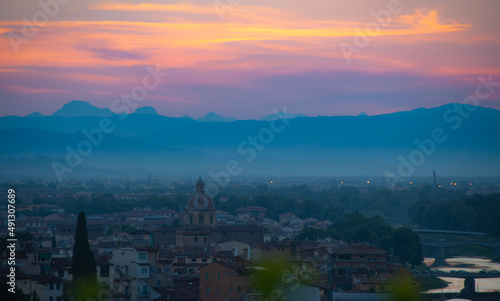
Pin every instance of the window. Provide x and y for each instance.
(104, 271)
(238, 289)
(123, 253)
(159, 270)
(167, 270)
(211, 219)
(218, 289)
(143, 256)
(60, 274)
(193, 259)
(201, 219)
(382, 288)
(372, 288)
(51, 286)
(206, 276)
(144, 270)
(231, 289)
(208, 289)
(218, 275)
(204, 260)
(58, 286)
(159, 282)
(51, 298)
(196, 238)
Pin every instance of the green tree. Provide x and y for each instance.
(123, 228)
(84, 285)
(309, 233)
(406, 246)
(277, 278)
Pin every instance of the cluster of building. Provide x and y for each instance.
(208, 255)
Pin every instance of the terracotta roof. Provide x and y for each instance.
(182, 293)
(360, 249)
(252, 209)
(140, 231)
(47, 278)
(102, 261)
(146, 248)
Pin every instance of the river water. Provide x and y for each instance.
(469, 264)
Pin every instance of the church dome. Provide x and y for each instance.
(200, 201)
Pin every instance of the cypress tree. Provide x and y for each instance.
(84, 285)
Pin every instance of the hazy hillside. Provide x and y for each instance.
(338, 145)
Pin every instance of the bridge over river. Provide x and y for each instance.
(458, 275)
(452, 296)
(437, 249)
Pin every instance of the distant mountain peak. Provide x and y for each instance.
(35, 114)
(147, 110)
(211, 116)
(77, 108)
(282, 115)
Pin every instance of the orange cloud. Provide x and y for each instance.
(155, 7)
(427, 22)
(252, 38)
(24, 89)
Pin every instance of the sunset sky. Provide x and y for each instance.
(243, 58)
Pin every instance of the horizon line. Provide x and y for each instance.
(187, 116)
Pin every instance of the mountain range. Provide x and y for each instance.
(78, 108)
(421, 140)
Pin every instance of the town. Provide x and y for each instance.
(186, 246)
